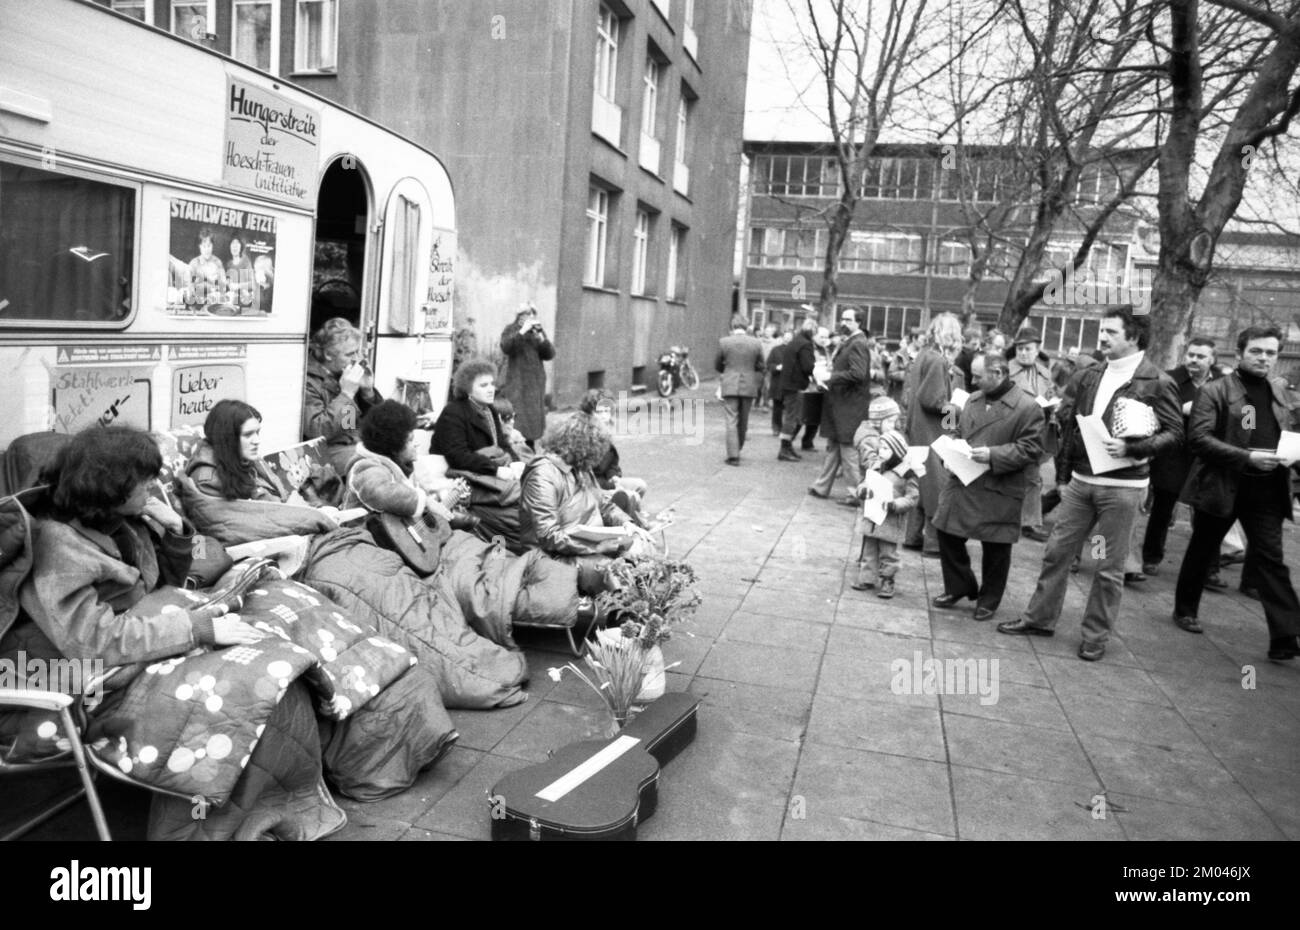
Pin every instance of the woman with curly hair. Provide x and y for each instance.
(561, 494)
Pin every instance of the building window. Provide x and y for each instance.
(890, 323)
(194, 20)
(675, 240)
(796, 176)
(952, 259)
(255, 36)
(803, 248)
(1063, 333)
(690, 40)
(597, 233)
(650, 102)
(67, 248)
(898, 179)
(640, 252)
(872, 252)
(683, 123)
(406, 265)
(316, 36)
(985, 180)
(688, 14)
(607, 54)
(1106, 264)
(136, 9)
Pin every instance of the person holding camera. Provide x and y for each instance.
(526, 347)
(339, 390)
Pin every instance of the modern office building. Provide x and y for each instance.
(594, 147)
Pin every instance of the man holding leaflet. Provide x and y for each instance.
(1238, 433)
(1098, 488)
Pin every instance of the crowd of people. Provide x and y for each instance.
(963, 435)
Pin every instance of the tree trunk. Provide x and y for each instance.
(838, 233)
(1173, 303)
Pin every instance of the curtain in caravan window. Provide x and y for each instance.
(65, 247)
(406, 265)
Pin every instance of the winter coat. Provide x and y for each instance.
(556, 498)
(848, 394)
(524, 383)
(1036, 381)
(378, 483)
(1169, 470)
(907, 492)
(202, 470)
(1219, 443)
(927, 389)
(1149, 385)
(461, 431)
(988, 509)
(740, 360)
(799, 362)
(328, 412)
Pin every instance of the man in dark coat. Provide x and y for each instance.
(740, 360)
(1169, 471)
(848, 397)
(972, 338)
(526, 348)
(1004, 426)
(1236, 425)
(795, 375)
(775, 364)
(1031, 374)
(1101, 490)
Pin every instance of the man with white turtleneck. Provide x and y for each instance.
(1110, 498)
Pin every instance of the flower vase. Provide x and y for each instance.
(616, 724)
(655, 680)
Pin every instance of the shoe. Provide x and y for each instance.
(815, 493)
(1019, 627)
(1036, 535)
(733, 461)
(948, 601)
(848, 502)
(1215, 583)
(913, 547)
(1134, 577)
(807, 448)
(1232, 558)
(1091, 652)
(984, 613)
(1150, 568)
(886, 588)
(1189, 624)
(787, 454)
(1285, 649)
(1252, 593)
(862, 585)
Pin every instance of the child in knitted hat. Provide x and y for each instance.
(878, 542)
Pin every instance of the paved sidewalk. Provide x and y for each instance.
(802, 737)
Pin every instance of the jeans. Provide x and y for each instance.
(1031, 511)
(958, 578)
(837, 454)
(877, 560)
(1262, 524)
(1114, 510)
(737, 413)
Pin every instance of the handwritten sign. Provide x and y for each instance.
(442, 277)
(116, 396)
(196, 390)
(271, 144)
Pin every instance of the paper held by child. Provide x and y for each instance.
(959, 398)
(915, 461)
(1288, 447)
(956, 455)
(1094, 433)
(879, 491)
(1045, 403)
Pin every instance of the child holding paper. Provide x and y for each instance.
(888, 473)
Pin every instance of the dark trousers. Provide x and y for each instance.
(812, 416)
(1162, 511)
(791, 413)
(960, 580)
(736, 411)
(1256, 508)
(778, 408)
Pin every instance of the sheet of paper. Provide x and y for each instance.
(1095, 434)
(1288, 447)
(959, 397)
(956, 458)
(915, 460)
(1045, 403)
(880, 491)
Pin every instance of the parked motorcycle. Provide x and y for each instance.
(676, 370)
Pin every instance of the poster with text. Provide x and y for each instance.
(442, 280)
(88, 395)
(222, 261)
(272, 145)
(197, 388)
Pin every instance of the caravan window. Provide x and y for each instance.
(66, 246)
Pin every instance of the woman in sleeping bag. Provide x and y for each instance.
(212, 696)
(475, 667)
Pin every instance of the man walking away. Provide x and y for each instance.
(740, 360)
(1110, 496)
(1236, 425)
(795, 375)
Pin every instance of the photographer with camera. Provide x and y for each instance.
(526, 347)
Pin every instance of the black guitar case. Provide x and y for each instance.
(596, 789)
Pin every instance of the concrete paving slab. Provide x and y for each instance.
(846, 828)
(1192, 779)
(1001, 806)
(780, 632)
(1146, 819)
(1010, 702)
(868, 679)
(1034, 752)
(1137, 721)
(761, 665)
(464, 811)
(777, 713)
(1276, 791)
(877, 726)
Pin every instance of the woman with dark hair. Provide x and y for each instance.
(561, 495)
(227, 463)
(104, 588)
(469, 433)
(339, 390)
(526, 349)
